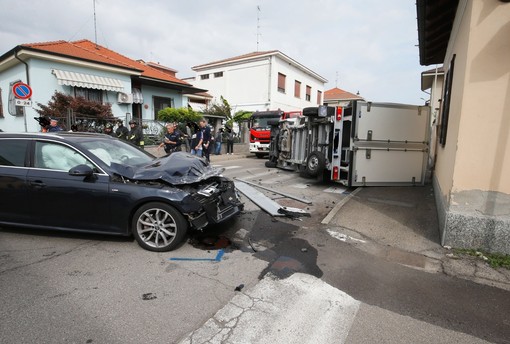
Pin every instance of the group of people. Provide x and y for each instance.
(198, 139)
(134, 134)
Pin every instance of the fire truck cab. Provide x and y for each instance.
(260, 128)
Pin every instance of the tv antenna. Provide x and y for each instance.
(258, 26)
(95, 26)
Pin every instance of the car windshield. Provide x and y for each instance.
(117, 152)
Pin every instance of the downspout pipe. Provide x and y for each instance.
(28, 82)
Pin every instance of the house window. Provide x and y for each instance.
(89, 94)
(297, 89)
(319, 97)
(281, 82)
(308, 95)
(218, 74)
(1, 105)
(161, 103)
(445, 114)
(204, 76)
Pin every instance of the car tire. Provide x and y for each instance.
(158, 227)
(315, 164)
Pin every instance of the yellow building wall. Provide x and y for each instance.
(477, 152)
(483, 153)
(446, 155)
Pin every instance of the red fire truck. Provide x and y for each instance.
(260, 129)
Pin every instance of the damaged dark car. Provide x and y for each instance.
(95, 183)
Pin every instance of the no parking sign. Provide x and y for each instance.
(22, 90)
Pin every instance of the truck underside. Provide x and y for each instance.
(361, 144)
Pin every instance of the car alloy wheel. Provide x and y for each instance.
(158, 227)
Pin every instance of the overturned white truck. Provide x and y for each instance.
(362, 144)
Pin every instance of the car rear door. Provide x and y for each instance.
(63, 201)
(13, 173)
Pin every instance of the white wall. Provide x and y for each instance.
(253, 85)
(44, 84)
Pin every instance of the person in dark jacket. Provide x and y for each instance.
(206, 137)
(54, 125)
(135, 134)
(108, 130)
(121, 132)
(217, 141)
(171, 141)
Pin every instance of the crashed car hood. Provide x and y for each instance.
(177, 169)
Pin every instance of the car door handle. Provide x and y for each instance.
(37, 184)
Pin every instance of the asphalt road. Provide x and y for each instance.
(68, 288)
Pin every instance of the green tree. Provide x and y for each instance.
(224, 109)
(240, 116)
(180, 115)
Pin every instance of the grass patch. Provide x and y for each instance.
(496, 260)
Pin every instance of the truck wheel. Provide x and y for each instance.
(311, 111)
(260, 155)
(315, 163)
(270, 164)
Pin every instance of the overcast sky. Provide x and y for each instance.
(368, 46)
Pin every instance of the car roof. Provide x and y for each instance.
(60, 135)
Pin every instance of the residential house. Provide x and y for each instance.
(472, 164)
(266, 80)
(339, 97)
(134, 89)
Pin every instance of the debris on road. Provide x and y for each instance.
(267, 204)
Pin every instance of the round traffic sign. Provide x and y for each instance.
(22, 90)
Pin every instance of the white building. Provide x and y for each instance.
(266, 80)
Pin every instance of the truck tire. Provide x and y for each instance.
(311, 111)
(315, 163)
(270, 164)
(260, 155)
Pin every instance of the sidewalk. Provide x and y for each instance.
(400, 224)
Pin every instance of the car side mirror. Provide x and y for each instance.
(81, 171)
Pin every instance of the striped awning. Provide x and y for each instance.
(137, 96)
(88, 81)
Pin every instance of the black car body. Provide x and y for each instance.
(95, 183)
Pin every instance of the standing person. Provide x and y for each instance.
(171, 139)
(135, 134)
(217, 141)
(54, 126)
(179, 133)
(230, 141)
(189, 134)
(108, 130)
(196, 142)
(206, 137)
(121, 132)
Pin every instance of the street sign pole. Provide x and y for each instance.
(22, 92)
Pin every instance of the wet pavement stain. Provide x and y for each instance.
(206, 241)
(285, 253)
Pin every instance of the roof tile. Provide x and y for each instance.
(87, 50)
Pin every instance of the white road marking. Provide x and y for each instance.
(336, 189)
(298, 309)
(343, 237)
